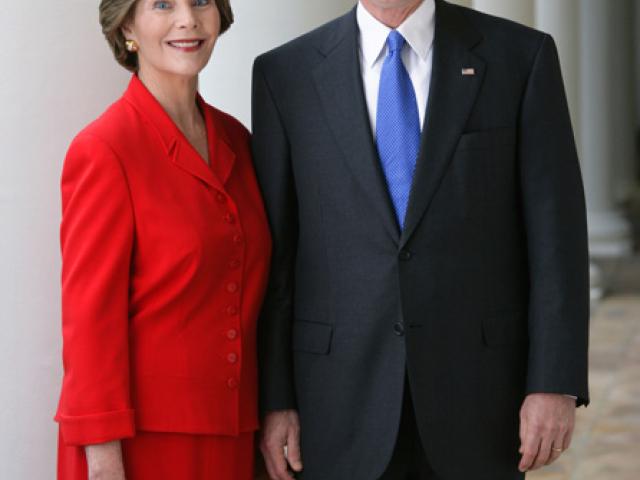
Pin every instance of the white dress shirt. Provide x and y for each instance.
(417, 55)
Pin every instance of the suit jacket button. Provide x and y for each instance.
(398, 329)
(405, 255)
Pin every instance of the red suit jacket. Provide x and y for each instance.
(165, 263)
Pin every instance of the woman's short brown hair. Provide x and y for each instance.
(114, 14)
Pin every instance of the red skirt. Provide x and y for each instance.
(172, 456)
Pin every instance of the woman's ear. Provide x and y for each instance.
(126, 32)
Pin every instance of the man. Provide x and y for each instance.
(427, 316)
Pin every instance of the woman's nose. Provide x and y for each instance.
(186, 17)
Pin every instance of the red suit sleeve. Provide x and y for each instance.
(96, 238)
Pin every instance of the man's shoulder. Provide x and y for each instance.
(307, 46)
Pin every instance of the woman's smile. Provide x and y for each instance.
(186, 45)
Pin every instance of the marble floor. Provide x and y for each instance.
(606, 443)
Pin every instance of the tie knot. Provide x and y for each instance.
(395, 41)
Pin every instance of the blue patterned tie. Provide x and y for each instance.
(397, 126)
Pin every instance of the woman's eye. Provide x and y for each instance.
(201, 3)
(161, 5)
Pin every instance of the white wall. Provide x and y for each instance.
(57, 74)
(260, 25)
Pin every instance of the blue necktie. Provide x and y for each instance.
(397, 126)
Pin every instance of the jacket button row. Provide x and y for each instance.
(230, 218)
(232, 358)
(221, 198)
(232, 383)
(233, 264)
(232, 310)
(232, 287)
(232, 334)
(237, 239)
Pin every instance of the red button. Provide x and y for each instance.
(237, 239)
(230, 218)
(221, 198)
(232, 334)
(231, 310)
(232, 287)
(232, 383)
(234, 264)
(232, 358)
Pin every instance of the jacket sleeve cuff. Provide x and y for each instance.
(96, 428)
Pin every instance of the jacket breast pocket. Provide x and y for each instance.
(312, 337)
(492, 138)
(504, 328)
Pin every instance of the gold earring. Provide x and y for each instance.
(131, 45)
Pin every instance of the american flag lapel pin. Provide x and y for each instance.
(468, 72)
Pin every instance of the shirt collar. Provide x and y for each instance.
(418, 30)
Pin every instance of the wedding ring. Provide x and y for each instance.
(557, 450)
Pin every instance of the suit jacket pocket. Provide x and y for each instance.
(312, 337)
(508, 327)
(495, 137)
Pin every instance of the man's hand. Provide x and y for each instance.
(280, 431)
(546, 426)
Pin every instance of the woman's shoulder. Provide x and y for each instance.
(110, 129)
(93, 154)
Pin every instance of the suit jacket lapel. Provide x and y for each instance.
(451, 98)
(339, 85)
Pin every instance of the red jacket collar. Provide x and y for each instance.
(176, 145)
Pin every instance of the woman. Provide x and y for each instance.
(165, 248)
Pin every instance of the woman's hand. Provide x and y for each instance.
(104, 461)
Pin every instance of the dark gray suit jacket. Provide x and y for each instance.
(482, 298)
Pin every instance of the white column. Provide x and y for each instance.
(624, 94)
(521, 11)
(260, 26)
(609, 232)
(559, 18)
(57, 75)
